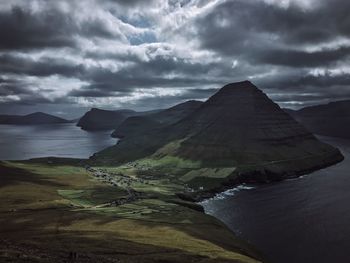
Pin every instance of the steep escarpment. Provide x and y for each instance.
(238, 127)
(97, 119)
(332, 119)
(140, 124)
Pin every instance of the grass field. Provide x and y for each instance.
(60, 213)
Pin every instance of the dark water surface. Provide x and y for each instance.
(303, 220)
(60, 140)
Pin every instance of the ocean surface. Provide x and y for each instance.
(301, 220)
(18, 142)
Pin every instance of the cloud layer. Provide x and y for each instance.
(66, 56)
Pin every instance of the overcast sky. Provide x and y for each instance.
(64, 57)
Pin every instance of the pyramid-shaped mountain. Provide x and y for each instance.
(239, 126)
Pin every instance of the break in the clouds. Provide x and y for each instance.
(66, 56)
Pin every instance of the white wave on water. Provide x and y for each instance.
(227, 193)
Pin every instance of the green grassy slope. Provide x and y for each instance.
(58, 213)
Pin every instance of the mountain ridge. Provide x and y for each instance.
(138, 124)
(331, 119)
(35, 118)
(99, 119)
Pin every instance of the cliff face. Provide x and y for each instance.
(97, 119)
(332, 119)
(238, 127)
(140, 124)
(36, 118)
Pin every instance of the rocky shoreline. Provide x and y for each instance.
(259, 177)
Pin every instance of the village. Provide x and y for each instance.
(118, 180)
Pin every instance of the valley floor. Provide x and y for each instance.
(56, 212)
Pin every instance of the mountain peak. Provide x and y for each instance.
(244, 83)
(38, 113)
(243, 92)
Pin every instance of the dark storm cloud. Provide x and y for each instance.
(22, 28)
(92, 91)
(116, 84)
(28, 99)
(155, 65)
(146, 74)
(131, 2)
(297, 58)
(42, 67)
(265, 33)
(261, 35)
(12, 88)
(168, 101)
(327, 80)
(291, 100)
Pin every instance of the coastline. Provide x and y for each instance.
(260, 176)
(320, 197)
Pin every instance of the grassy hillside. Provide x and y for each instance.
(51, 212)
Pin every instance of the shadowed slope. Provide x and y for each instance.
(332, 119)
(139, 124)
(97, 119)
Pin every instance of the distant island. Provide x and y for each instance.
(37, 118)
(332, 119)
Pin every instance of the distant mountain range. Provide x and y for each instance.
(139, 124)
(332, 119)
(238, 132)
(36, 118)
(126, 122)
